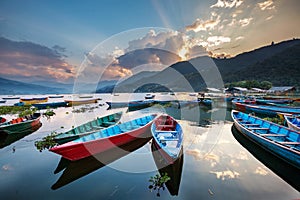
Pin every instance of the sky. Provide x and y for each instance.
(51, 39)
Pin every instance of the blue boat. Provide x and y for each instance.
(265, 110)
(168, 137)
(279, 140)
(293, 122)
(50, 105)
(275, 101)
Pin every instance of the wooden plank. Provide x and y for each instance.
(159, 131)
(290, 143)
(273, 135)
(251, 124)
(167, 126)
(258, 128)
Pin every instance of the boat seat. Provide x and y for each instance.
(290, 143)
(258, 128)
(251, 124)
(160, 131)
(272, 135)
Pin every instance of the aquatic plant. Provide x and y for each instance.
(84, 109)
(275, 120)
(47, 142)
(49, 113)
(158, 181)
(20, 110)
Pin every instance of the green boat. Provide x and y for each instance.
(88, 128)
(20, 124)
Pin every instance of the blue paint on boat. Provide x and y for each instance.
(279, 140)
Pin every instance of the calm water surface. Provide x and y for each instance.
(217, 162)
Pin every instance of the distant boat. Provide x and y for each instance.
(19, 104)
(132, 105)
(56, 96)
(105, 139)
(168, 136)
(49, 105)
(30, 101)
(293, 122)
(10, 98)
(2, 101)
(265, 110)
(80, 102)
(149, 96)
(20, 124)
(88, 128)
(275, 101)
(279, 140)
(86, 96)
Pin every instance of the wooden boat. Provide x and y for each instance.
(30, 101)
(88, 128)
(132, 105)
(73, 170)
(293, 122)
(105, 139)
(49, 105)
(19, 104)
(279, 140)
(2, 101)
(265, 110)
(167, 137)
(10, 98)
(56, 96)
(80, 102)
(20, 124)
(86, 96)
(174, 170)
(149, 96)
(8, 139)
(273, 101)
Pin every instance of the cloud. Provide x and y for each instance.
(261, 171)
(217, 40)
(227, 4)
(270, 17)
(200, 25)
(266, 5)
(245, 22)
(240, 38)
(227, 174)
(30, 59)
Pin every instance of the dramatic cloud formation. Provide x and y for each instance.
(200, 25)
(30, 59)
(227, 3)
(269, 5)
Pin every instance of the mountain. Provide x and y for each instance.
(265, 63)
(16, 87)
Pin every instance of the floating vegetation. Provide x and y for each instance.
(84, 109)
(20, 110)
(275, 120)
(47, 142)
(158, 181)
(49, 113)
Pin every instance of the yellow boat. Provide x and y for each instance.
(29, 101)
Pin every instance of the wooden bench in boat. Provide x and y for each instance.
(272, 135)
(251, 124)
(164, 139)
(160, 131)
(290, 143)
(257, 128)
(165, 125)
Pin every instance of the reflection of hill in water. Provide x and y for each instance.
(7, 139)
(287, 172)
(174, 170)
(77, 169)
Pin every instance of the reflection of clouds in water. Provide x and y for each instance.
(261, 171)
(7, 167)
(225, 175)
(213, 159)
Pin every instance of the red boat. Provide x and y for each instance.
(105, 139)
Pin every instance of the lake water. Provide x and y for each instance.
(217, 162)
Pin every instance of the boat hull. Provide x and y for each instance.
(79, 150)
(49, 105)
(285, 153)
(80, 102)
(22, 126)
(292, 125)
(34, 100)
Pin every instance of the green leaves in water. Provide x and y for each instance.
(275, 120)
(47, 142)
(158, 181)
(20, 110)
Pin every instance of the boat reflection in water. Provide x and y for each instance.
(74, 170)
(8, 139)
(287, 172)
(174, 170)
